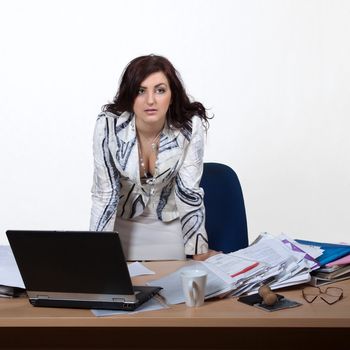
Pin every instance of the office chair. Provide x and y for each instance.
(225, 215)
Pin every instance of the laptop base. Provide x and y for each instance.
(143, 293)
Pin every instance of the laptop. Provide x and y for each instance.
(76, 269)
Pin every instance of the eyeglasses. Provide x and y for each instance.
(330, 295)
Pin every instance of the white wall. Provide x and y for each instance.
(276, 74)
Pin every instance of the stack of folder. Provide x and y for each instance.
(334, 262)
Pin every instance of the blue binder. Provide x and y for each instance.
(331, 251)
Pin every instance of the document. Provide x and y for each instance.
(172, 284)
(138, 269)
(306, 255)
(268, 250)
(150, 305)
(9, 273)
(233, 269)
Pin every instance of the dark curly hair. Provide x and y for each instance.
(181, 109)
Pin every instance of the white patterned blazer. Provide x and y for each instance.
(173, 192)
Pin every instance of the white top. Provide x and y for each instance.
(147, 238)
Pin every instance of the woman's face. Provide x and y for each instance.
(153, 100)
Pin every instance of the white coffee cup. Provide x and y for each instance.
(193, 284)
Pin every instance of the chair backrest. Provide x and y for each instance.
(225, 215)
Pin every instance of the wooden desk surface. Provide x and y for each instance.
(213, 325)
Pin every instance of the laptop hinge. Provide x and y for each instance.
(42, 297)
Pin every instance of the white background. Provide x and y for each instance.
(276, 74)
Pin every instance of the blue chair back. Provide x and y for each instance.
(225, 215)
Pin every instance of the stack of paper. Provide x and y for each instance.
(334, 262)
(276, 261)
(283, 263)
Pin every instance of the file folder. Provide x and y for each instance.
(331, 251)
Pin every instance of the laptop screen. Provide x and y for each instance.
(71, 262)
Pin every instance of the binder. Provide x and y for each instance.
(321, 278)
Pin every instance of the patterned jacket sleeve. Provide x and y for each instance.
(188, 194)
(105, 188)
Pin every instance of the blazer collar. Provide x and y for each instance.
(126, 129)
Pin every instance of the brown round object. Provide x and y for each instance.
(270, 299)
(264, 290)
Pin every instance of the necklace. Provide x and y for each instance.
(154, 147)
(142, 163)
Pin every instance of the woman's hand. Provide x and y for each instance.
(204, 256)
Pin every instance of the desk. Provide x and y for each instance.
(218, 324)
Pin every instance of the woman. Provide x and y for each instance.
(148, 161)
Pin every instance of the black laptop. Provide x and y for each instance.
(76, 270)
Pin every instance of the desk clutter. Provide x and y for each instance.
(271, 261)
(274, 261)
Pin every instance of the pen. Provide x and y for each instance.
(245, 269)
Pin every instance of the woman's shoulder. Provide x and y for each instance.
(197, 121)
(195, 124)
(192, 128)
